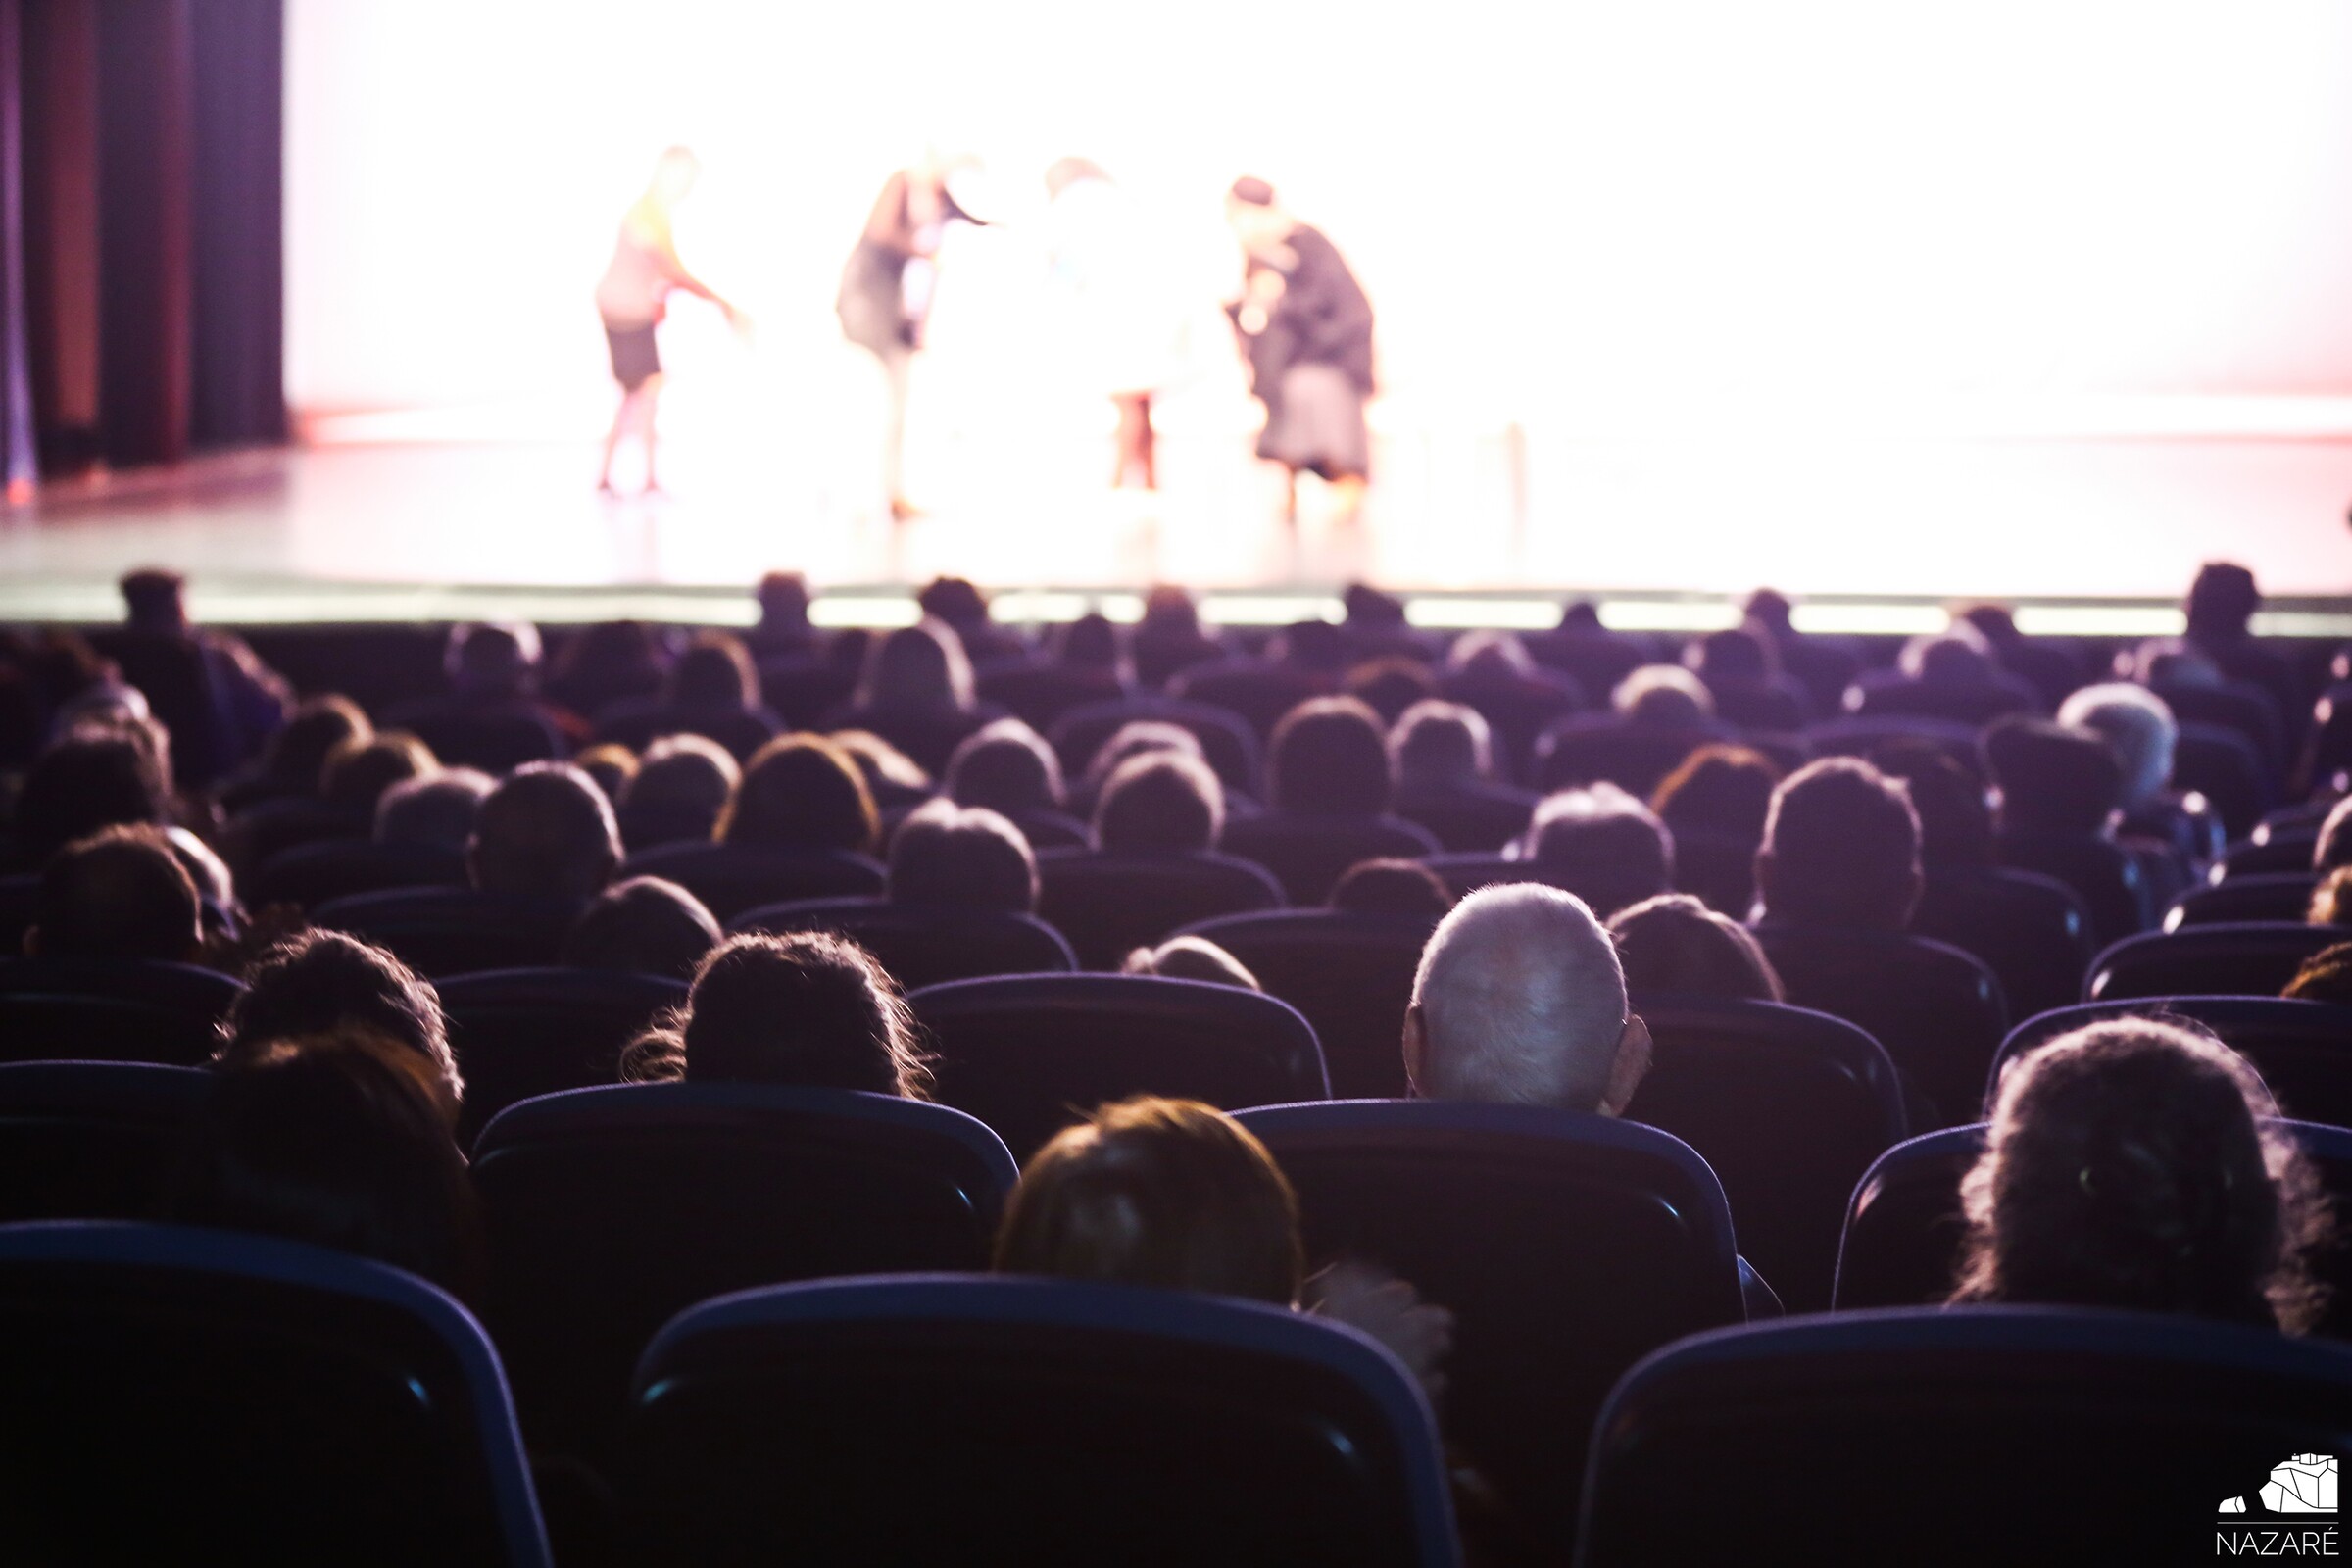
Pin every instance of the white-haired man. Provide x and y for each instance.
(1520, 1000)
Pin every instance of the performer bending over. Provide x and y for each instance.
(886, 293)
(634, 296)
(1306, 328)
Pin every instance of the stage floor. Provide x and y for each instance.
(378, 530)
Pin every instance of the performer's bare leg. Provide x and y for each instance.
(624, 419)
(1136, 443)
(650, 395)
(1346, 500)
(896, 370)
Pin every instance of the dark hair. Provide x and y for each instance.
(715, 671)
(1734, 653)
(1165, 1193)
(921, 665)
(809, 1009)
(1138, 738)
(644, 925)
(546, 832)
(154, 596)
(956, 601)
(2325, 976)
(2053, 779)
(1719, 788)
(296, 753)
(120, 893)
(1391, 887)
(1005, 766)
(678, 793)
(1841, 848)
(1328, 758)
(439, 810)
(335, 1140)
(317, 982)
(96, 776)
(492, 657)
(802, 791)
(1955, 815)
(1391, 684)
(1441, 741)
(357, 772)
(2333, 845)
(965, 858)
(606, 661)
(1160, 802)
(2126, 1167)
(1190, 958)
(1602, 844)
(2221, 601)
(1091, 642)
(1675, 944)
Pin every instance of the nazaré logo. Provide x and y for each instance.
(2300, 1483)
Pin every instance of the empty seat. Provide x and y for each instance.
(446, 931)
(1230, 745)
(307, 875)
(1476, 817)
(1108, 904)
(2303, 1050)
(1788, 1107)
(1938, 1011)
(1973, 1436)
(923, 946)
(192, 1395)
(1032, 1054)
(1350, 975)
(1567, 1246)
(1025, 1421)
(1308, 854)
(91, 1140)
(2270, 850)
(2276, 895)
(517, 1032)
(1904, 1229)
(610, 1209)
(2256, 958)
(111, 1009)
(730, 878)
(2031, 931)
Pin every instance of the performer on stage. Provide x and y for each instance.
(1306, 328)
(634, 296)
(886, 293)
(1126, 317)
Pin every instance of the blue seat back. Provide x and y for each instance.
(2303, 1050)
(1108, 904)
(730, 878)
(440, 931)
(921, 946)
(111, 1009)
(2252, 959)
(521, 1033)
(1350, 975)
(2270, 896)
(1228, 742)
(91, 1140)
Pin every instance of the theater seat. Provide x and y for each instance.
(2228, 770)
(440, 931)
(1955, 1437)
(1350, 975)
(922, 946)
(518, 1033)
(111, 1009)
(1108, 904)
(938, 1420)
(1567, 1246)
(1938, 1011)
(2032, 932)
(1862, 734)
(1032, 1054)
(91, 1140)
(307, 875)
(2303, 1050)
(2269, 850)
(1904, 1229)
(1465, 874)
(186, 1395)
(2277, 897)
(1308, 854)
(1230, 745)
(2105, 875)
(1788, 1107)
(730, 878)
(2255, 959)
(610, 1209)
(1590, 746)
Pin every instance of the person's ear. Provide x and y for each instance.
(1627, 1067)
(1416, 1044)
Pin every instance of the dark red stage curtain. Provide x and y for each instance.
(239, 395)
(18, 462)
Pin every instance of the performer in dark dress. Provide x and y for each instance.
(886, 293)
(1306, 329)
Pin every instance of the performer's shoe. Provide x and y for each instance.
(903, 510)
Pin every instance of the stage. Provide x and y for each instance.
(1483, 524)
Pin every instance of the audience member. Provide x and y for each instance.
(2050, 669)
(2142, 732)
(1391, 886)
(1951, 675)
(2331, 899)
(321, 982)
(1132, 739)
(784, 630)
(1519, 1000)
(2220, 610)
(608, 662)
(609, 764)
(1722, 790)
(2333, 846)
(2128, 1167)
(678, 793)
(917, 694)
(811, 1010)
(220, 701)
(492, 718)
(1953, 808)
(1663, 696)
(546, 832)
(119, 894)
(1738, 666)
(713, 691)
(1840, 850)
(2061, 794)
(1190, 959)
(1327, 780)
(962, 858)
(643, 925)
(96, 775)
(436, 811)
(895, 778)
(2325, 976)
(802, 791)
(959, 605)
(1443, 756)
(1600, 844)
(1170, 637)
(295, 754)
(1006, 766)
(358, 773)
(1675, 945)
(1823, 666)
(1160, 802)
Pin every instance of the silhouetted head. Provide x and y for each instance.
(1771, 611)
(96, 776)
(318, 982)
(1005, 766)
(1733, 654)
(678, 793)
(1673, 944)
(1720, 789)
(546, 832)
(1090, 643)
(437, 812)
(1841, 849)
(643, 925)
(2325, 976)
(922, 666)
(1190, 959)
(2220, 602)
(1954, 810)
(1391, 684)
(296, 753)
(1394, 887)
(1957, 655)
(1163, 1192)
(1134, 739)
(1438, 742)
(2053, 779)
(1490, 655)
(2138, 724)
(715, 671)
(783, 597)
(155, 600)
(965, 858)
(492, 660)
(1602, 844)
(2333, 847)
(2126, 1167)
(1664, 694)
(119, 894)
(803, 792)
(1328, 758)
(811, 1010)
(957, 602)
(358, 773)
(1157, 802)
